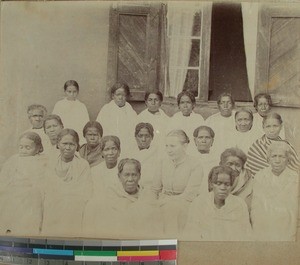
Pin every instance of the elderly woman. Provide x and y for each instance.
(21, 200)
(219, 215)
(257, 158)
(274, 210)
(262, 102)
(52, 127)
(92, 151)
(105, 174)
(67, 188)
(177, 181)
(154, 115)
(118, 117)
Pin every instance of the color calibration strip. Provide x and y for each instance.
(29, 251)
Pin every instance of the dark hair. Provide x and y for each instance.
(188, 94)
(35, 138)
(262, 95)
(112, 138)
(183, 138)
(117, 86)
(36, 106)
(244, 110)
(226, 94)
(234, 151)
(52, 117)
(71, 132)
(129, 160)
(93, 124)
(215, 171)
(71, 83)
(156, 92)
(272, 115)
(145, 125)
(204, 128)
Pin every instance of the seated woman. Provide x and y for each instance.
(177, 181)
(263, 104)
(72, 112)
(219, 215)
(105, 174)
(186, 119)
(67, 188)
(154, 115)
(118, 117)
(92, 151)
(257, 153)
(235, 158)
(21, 200)
(146, 153)
(52, 127)
(274, 209)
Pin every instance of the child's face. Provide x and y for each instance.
(92, 136)
(222, 187)
(27, 147)
(71, 92)
(36, 118)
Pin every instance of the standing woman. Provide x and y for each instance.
(118, 117)
(92, 151)
(257, 154)
(177, 182)
(72, 112)
(67, 188)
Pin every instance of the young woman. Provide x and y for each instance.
(21, 200)
(72, 112)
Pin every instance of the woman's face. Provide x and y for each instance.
(278, 160)
(153, 103)
(234, 163)
(243, 121)
(186, 106)
(27, 147)
(52, 129)
(110, 152)
(36, 118)
(221, 187)
(175, 149)
(129, 178)
(67, 146)
(203, 141)
(92, 137)
(71, 92)
(225, 106)
(119, 97)
(263, 106)
(272, 128)
(143, 139)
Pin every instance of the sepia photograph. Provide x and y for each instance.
(150, 120)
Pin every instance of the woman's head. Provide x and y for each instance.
(225, 104)
(52, 127)
(234, 158)
(272, 124)
(129, 172)
(30, 144)
(144, 134)
(186, 102)
(120, 92)
(176, 144)
(36, 114)
(71, 89)
(93, 133)
(220, 181)
(243, 120)
(153, 100)
(279, 154)
(111, 149)
(68, 144)
(204, 138)
(262, 103)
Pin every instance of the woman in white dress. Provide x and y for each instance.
(118, 117)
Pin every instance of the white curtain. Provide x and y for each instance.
(180, 24)
(250, 21)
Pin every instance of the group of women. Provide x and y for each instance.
(232, 176)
